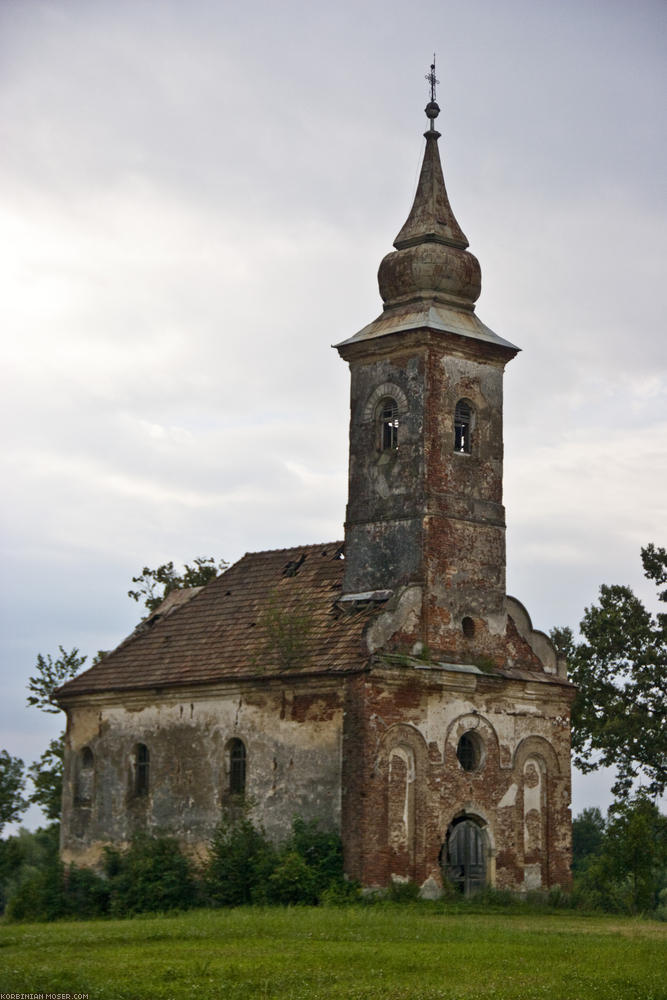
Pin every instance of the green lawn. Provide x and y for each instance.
(416, 953)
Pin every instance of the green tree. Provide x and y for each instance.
(620, 669)
(635, 849)
(322, 850)
(630, 868)
(153, 874)
(155, 584)
(587, 836)
(241, 860)
(46, 775)
(50, 674)
(12, 783)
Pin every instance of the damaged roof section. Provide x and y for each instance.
(269, 614)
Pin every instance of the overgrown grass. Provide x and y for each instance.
(411, 952)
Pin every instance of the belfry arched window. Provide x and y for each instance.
(237, 766)
(463, 417)
(387, 417)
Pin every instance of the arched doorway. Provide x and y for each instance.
(464, 855)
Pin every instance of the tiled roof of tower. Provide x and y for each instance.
(269, 614)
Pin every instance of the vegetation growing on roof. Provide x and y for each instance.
(288, 630)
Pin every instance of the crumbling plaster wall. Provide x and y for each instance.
(423, 513)
(417, 717)
(383, 540)
(465, 519)
(292, 737)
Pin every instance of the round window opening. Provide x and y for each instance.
(469, 751)
(468, 627)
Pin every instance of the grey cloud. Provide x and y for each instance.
(195, 208)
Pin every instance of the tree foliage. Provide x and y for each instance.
(50, 674)
(587, 836)
(35, 885)
(241, 861)
(152, 875)
(12, 784)
(620, 669)
(288, 632)
(155, 584)
(628, 869)
(46, 775)
(244, 867)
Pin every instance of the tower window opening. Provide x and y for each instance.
(143, 765)
(468, 627)
(237, 767)
(462, 427)
(388, 419)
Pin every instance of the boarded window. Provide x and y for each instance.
(388, 424)
(237, 767)
(462, 427)
(142, 774)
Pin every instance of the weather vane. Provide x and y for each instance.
(430, 77)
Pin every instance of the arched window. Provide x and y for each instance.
(142, 772)
(468, 627)
(84, 776)
(237, 766)
(387, 417)
(462, 427)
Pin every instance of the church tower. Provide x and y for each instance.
(425, 507)
(456, 738)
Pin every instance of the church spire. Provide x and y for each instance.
(431, 219)
(430, 280)
(431, 262)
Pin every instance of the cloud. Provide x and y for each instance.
(193, 210)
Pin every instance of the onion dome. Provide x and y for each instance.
(430, 260)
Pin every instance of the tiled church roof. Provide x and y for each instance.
(270, 614)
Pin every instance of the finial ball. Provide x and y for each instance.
(432, 110)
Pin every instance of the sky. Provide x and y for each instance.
(194, 201)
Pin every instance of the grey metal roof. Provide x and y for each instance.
(432, 315)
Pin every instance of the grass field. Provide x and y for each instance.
(411, 952)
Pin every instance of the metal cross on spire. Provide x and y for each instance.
(432, 110)
(430, 77)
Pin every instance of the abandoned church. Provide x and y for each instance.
(385, 686)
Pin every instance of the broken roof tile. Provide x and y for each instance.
(269, 614)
